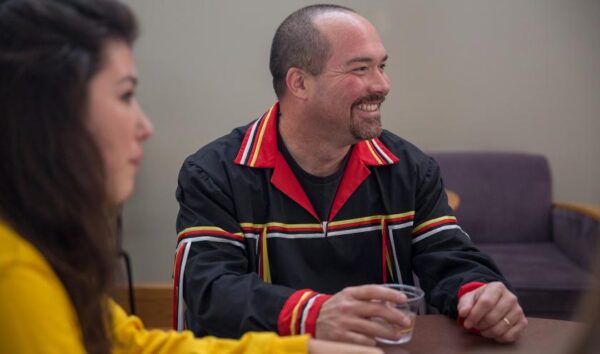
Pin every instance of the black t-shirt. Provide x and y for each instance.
(320, 190)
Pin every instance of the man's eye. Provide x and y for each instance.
(361, 69)
(382, 66)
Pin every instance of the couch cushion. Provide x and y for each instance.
(505, 197)
(547, 283)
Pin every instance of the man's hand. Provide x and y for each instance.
(494, 311)
(346, 316)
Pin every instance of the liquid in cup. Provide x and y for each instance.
(413, 303)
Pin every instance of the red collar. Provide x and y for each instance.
(259, 150)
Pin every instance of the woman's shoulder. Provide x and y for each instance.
(34, 306)
(16, 251)
(24, 269)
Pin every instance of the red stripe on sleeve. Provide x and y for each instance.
(435, 224)
(176, 274)
(202, 232)
(285, 315)
(310, 326)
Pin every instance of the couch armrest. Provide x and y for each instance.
(576, 231)
(593, 211)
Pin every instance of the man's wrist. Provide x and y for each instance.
(299, 313)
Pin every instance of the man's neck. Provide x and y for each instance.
(311, 150)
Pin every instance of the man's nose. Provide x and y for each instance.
(380, 83)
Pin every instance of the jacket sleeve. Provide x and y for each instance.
(222, 290)
(444, 258)
(130, 336)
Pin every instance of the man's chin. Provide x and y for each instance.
(367, 131)
(367, 134)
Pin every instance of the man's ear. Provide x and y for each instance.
(297, 82)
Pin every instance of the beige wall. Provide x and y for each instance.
(518, 75)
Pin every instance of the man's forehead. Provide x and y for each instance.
(351, 33)
(330, 21)
(345, 26)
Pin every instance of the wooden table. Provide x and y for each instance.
(434, 334)
(437, 334)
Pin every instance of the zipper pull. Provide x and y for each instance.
(324, 224)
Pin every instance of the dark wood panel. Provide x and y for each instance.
(153, 302)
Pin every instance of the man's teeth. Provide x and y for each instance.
(368, 107)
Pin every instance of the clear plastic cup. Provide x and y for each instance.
(411, 308)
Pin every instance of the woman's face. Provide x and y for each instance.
(116, 120)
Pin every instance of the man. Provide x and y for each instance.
(287, 223)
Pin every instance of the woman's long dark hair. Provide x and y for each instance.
(52, 179)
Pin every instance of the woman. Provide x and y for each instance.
(70, 144)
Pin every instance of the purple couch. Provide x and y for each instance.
(506, 207)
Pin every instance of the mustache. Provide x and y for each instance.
(370, 98)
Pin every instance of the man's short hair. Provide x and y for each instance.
(298, 43)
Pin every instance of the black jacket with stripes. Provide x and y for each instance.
(252, 254)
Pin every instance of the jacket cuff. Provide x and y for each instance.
(468, 287)
(299, 313)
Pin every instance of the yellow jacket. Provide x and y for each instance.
(36, 316)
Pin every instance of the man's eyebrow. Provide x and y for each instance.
(364, 60)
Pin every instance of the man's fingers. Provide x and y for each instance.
(376, 292)
(494, 311)
(344, 317)
(507, 303)
(497, 314)
(342, 329)
(385, 310)
(373, 327)
(486, 299)
(518, 322)
(514, 333)
(357, 338)
(508, 329)
(360, 314)
(465, 304)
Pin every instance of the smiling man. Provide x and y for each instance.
(286, 224)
